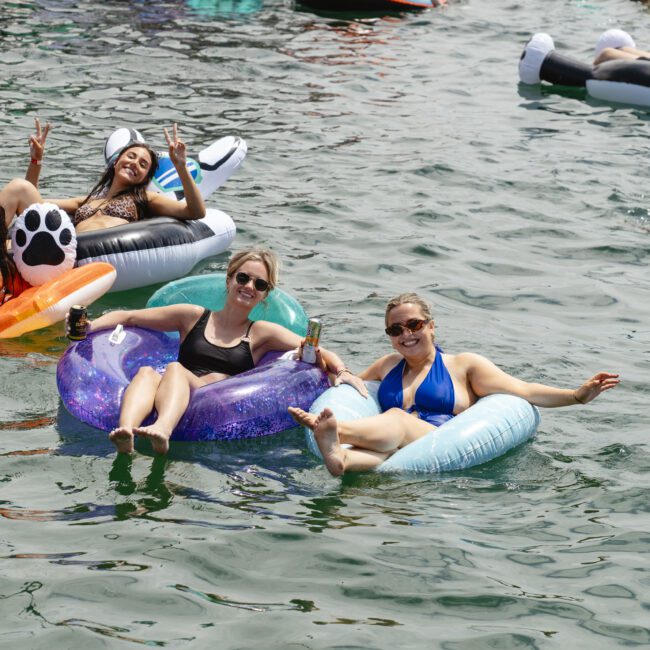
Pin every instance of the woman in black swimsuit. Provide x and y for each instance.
(120, 196)
(214, 345)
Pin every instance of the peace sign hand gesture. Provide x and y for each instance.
(37, 140)
(177, 152)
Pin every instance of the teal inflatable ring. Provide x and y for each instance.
(209, 290)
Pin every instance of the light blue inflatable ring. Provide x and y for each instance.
(210, 291)
(485, 431)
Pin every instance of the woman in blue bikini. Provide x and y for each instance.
(422, 388)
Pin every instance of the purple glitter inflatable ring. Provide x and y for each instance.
(92, 375)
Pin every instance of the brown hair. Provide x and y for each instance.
(408, 298)
(267, 257)
(139, 191)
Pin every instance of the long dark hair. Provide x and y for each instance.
(7, 267)
(139, 191)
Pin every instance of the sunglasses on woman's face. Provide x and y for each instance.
(259, 284)
(412, 325)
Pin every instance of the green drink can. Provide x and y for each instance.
(311, 340)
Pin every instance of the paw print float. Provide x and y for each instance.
(44, 243)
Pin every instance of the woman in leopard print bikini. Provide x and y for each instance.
(120, 196)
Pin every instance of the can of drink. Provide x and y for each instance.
(77, 323)
(311, 340)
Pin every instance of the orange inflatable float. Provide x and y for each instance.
(49, 303)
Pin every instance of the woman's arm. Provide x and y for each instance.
(178, 318)
(485, 378)
(193, 207)
(69, 205)
(36, 151)
(270, 336)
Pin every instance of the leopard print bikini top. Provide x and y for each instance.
(122, 207)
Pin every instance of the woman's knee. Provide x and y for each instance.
(19, 187)
(147, 373)
(175, 370)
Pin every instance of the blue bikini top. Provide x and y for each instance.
(434, 397)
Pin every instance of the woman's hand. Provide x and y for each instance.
(346, 377)
(177, 153)
(320, 362)
(37, 141)
(595, 386)
(343, 376)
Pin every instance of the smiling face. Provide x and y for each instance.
(409, 343)
(133, 166)
(246, 295)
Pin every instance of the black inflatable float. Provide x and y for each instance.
(620, 81)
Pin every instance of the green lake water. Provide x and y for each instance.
(386, 154)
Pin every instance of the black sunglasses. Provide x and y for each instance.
(259, 284)
(413, 325)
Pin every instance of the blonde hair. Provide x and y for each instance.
(267, 257)
(411, 299)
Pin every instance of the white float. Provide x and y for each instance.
(620, 81)
(162, 249)
(485, 431)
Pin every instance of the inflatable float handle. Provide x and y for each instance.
(117, 335)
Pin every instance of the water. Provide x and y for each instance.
(385, 154)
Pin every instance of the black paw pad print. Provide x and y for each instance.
(44, 243)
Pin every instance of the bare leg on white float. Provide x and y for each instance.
(625, 53)
(373, 439)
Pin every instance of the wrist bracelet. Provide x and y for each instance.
(341, 371)
(33, 161)
(575, 397)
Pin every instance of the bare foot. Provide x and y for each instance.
(302, 417)
(159, 440)
(325, 430)
(122, 438)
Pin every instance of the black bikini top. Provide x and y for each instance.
(201, 357)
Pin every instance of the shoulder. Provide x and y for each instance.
(263, 325)
(188, 315)
(265, 335)
(187, 311)
(188, 308)
(381, 367)
(467, 362)
(267, 328)
(389, 361)
(462, 357)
